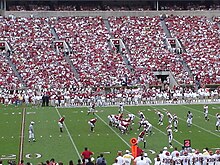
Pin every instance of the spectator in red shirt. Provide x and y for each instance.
(86, 154)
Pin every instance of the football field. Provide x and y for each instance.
(51, 143)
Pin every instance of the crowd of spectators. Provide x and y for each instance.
(187, 155)
(42, 66)
(144, 38)
(99, 6)
(200, 37)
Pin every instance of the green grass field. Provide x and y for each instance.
(69, 144)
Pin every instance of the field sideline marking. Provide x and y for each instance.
(113, 130)
(160, 131)
(71, 139)
(22, 136)
(197, 110)
(197, 126)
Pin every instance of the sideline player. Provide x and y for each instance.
(60, 123)
(206, 111)
(189, 118)
(128, 157)
(217, 125)
(31, 132)
(92, 122)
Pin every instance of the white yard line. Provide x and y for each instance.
(22, 135)
(160, 131)
(113, 130)
(71, 139)
(196, 126)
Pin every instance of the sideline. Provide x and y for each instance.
(21, 146)
(71, 139)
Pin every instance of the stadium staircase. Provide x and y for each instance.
(7, 56)
(168, 35)
(66, 53)
(125, 59)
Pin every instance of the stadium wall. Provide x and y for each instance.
(2, 12)
(106, 14)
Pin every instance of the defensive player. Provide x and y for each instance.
(189, 118)
(92, 124)
(170, 136)
(175, 123)
(160, 115)
(206, 111)
(217, 122)
(31, 132)
(60, 123)
(170, 118)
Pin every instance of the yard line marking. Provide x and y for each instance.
(21, 146)
(159, 130)
(201, 128)
(113, 130)
(71, 139)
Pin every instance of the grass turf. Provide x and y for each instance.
(69, 144)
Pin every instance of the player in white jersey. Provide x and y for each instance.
(170, 117)
(175, 123)
(160, 115)
(189, 118)
(31, 132)
(185, 158)
(170, 136)
(111, 120)
(217, 125)
(177, 159)
(206, 111)
(166, 159)
(197, 158)
(121, 107)
(131, 117)
(217, 157)
(210, 158)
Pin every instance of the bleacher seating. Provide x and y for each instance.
(200, 37)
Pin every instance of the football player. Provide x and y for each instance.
(217, 125)
(175, 123)
(170, 136)
(92, 124)
(206, 111)
(160, 115)
(217, 157)
(31, 132)
(189, 118)
(60, 123)
(141, 138)
(91, 109)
